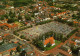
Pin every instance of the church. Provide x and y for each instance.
(49, 40)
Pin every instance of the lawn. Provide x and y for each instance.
(56, 43)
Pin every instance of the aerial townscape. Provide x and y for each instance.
(39, 27)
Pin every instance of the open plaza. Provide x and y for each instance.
(42, 29)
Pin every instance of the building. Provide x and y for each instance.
(49, 40)
(66, 48)
(6, 26)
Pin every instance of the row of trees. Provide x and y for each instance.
(69, 7)
(19, 3)
(64, 21)
(77, 17)
(43, 22)
(69, 35)
(2, 6)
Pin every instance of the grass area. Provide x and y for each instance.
(56, 43)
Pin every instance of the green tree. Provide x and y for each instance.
(6, 15)
(70, 23)
(28, 18)
(2, 42)
(22, 37)
(18, 49)
(11, 20)
(19, 17)
(23, 53)
(74, 16)
(2, 17)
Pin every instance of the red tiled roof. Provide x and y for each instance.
(6, 34)
(61, 13)
(72, 42)
(6, 25)
(51, 40)
(52, 6)
(26, 22)
(52, 14)
(21, 7)
(75, 21)
(14, 25)
(44, 7)
(64, 18)
(9, 26)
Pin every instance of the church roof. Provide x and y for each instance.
(49, 40)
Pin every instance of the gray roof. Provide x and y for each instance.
(7, 46)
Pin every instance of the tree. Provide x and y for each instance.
(6, 15)
(78, 13)
(50, 3)
(31, 7)
(19, 17)
(11, 20)
(74, 16)
(19, 3)
(10, 13)
(18, 49)
(22, 37)
(27, 17)
(48, 45)
(2, 17)
(2, 42)
(11, 52)
(70, 23)
(23, 53)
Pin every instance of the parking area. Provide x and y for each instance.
(41, 29)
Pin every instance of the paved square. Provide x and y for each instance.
(41, 29)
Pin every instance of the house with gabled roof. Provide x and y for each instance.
(7, 26)
(66, 48)
(63, 13)
(49, 40)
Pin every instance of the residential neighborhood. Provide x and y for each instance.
(39, 28)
